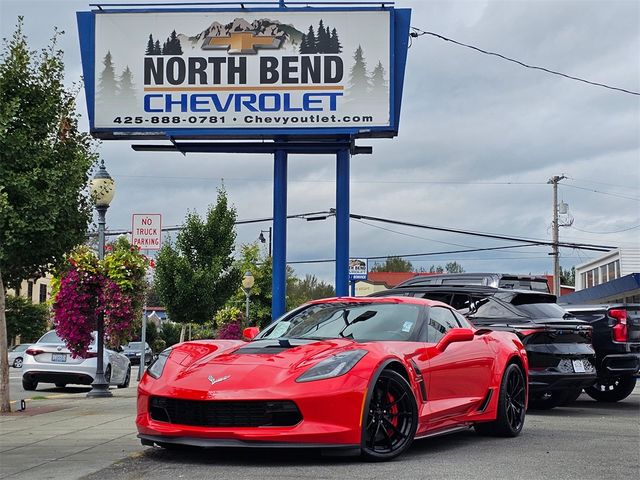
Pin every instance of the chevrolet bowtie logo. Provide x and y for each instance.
(241, 43)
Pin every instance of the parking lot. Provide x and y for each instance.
(69, 436)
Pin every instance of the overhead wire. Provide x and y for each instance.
(417, 32)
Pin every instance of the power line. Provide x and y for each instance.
(583, 246)
(633, 187)
(418, 33)
(606, 233)
(637, 199)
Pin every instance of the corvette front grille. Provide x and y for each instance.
(214, 413)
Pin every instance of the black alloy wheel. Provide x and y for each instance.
(511, 406)
(391, 418)
(611, 389)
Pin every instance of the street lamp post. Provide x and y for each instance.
(247, 284)
(102, 189)
(263, 240)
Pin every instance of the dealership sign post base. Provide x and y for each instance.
(211, 78)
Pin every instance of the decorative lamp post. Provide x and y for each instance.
(264, 240)
(102, 189)
(247, 284)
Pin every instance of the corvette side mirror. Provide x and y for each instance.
(250, 332)
(453, 336)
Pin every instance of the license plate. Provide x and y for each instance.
(578, 366)
(58, 357)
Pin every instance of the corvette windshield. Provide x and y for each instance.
(357, 321)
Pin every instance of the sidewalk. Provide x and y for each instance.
(67, 436)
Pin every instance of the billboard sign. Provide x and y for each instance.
(244, 72)
(146, 230)
(358, 268)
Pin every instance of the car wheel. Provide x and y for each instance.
(61, 385)
(547, 400)
(611, 389)
(17, 363)
(127, 379)
(391, 418)
(107, 374)
(511, 406)
(29, 384)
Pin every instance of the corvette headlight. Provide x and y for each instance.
(334, 366)
(157, 366)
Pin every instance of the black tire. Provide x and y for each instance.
(547, 400)
(60, 384)
(127, 379)
(17, 363)
(29, 385)
(571, 396)
(107, 374)
(611, 389)
(511, 406)
(391, 419)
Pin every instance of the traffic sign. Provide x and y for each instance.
(146, 230)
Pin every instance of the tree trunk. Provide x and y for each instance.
(5, 405)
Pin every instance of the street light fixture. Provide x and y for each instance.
(264, 240)
(247, 285)
(102, 189)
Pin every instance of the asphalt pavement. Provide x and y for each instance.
(64, 435)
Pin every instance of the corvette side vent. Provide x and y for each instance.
(485, 402)
(249, 413)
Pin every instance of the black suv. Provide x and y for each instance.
(616, 340)
(501, 280)
(561, 358)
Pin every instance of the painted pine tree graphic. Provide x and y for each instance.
(359, 83)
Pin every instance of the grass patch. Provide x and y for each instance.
(38, 397)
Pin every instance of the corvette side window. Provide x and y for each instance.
(441, 320)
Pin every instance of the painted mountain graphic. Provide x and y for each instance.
(264, 27)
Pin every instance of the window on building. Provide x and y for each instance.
(611, 268)
(43, 293)
(603, 274)
(30, 291)
(618, 272)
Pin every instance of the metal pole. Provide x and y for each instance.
(100, 386)
(279, 278)
(270, 232)
(556, 253)
(143, 341)
(246, 308)
(342, 223)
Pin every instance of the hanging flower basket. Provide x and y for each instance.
(86, 288)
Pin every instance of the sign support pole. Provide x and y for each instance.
(279, 259)
(342, 222)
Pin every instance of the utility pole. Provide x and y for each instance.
(556, 255)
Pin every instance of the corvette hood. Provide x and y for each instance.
(254, 365)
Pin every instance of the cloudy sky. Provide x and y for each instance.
(479, 138)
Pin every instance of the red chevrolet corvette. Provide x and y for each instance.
(363, 374)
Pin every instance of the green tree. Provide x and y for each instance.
(436, 269)
(29, 320)
(44, 164)
(454, 267)
(197, 276)
(568, 276)
(252, 260)
(394, 264)
(308, 288)
(169, 334)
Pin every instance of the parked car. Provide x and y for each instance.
(16, 355)
(50, 361)
(616, 340)
(500, 280)
(561, 357)
(365, 375)
(133, 351)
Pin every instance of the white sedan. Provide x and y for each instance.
(50, 361)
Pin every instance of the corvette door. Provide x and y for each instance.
(459, 375)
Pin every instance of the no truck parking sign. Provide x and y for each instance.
(146, 231)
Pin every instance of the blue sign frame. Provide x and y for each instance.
(399, 31)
